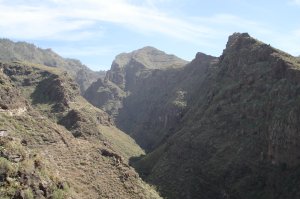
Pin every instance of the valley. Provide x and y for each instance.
(153, 126)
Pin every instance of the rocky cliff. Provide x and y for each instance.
(134, 92)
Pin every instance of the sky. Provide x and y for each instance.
(95, 31)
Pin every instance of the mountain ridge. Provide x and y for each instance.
(238, 138)
(148, 56)
(23, 51)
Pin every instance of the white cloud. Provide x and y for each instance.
(140, 18)
(29, 22)
(77, 20)
(56, 19)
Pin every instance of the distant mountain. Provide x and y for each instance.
(133, 91)
(126, 74)
(129, 66)
(22, 51)
(154, 98)
(54, 144)
(160, 100)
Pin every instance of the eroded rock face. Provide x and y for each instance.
(85, 77)
(55, 89)
(50, 87)
(10, 97)
(106, 95)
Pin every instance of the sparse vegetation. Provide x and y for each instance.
(20, 174)
(47, 153)
(222, 127)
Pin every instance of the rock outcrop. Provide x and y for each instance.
(10, 97)
(106, 95)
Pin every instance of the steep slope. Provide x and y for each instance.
(105, 95)
(136, 82)
(22, 51)
(41, 107)
(238, 137)
(154, 108)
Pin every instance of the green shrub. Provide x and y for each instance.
(15, 148)
(28, 194)
(58, 194)
(7, 168)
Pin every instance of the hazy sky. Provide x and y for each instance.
(95, 31)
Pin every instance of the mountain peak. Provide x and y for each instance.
(148, 48)
(244, 54)
(149, 57)
(148, 51)
(241, 46)
(202, 56)
(241, 42)
(235, 37)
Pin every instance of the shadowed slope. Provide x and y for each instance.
(239, 136)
